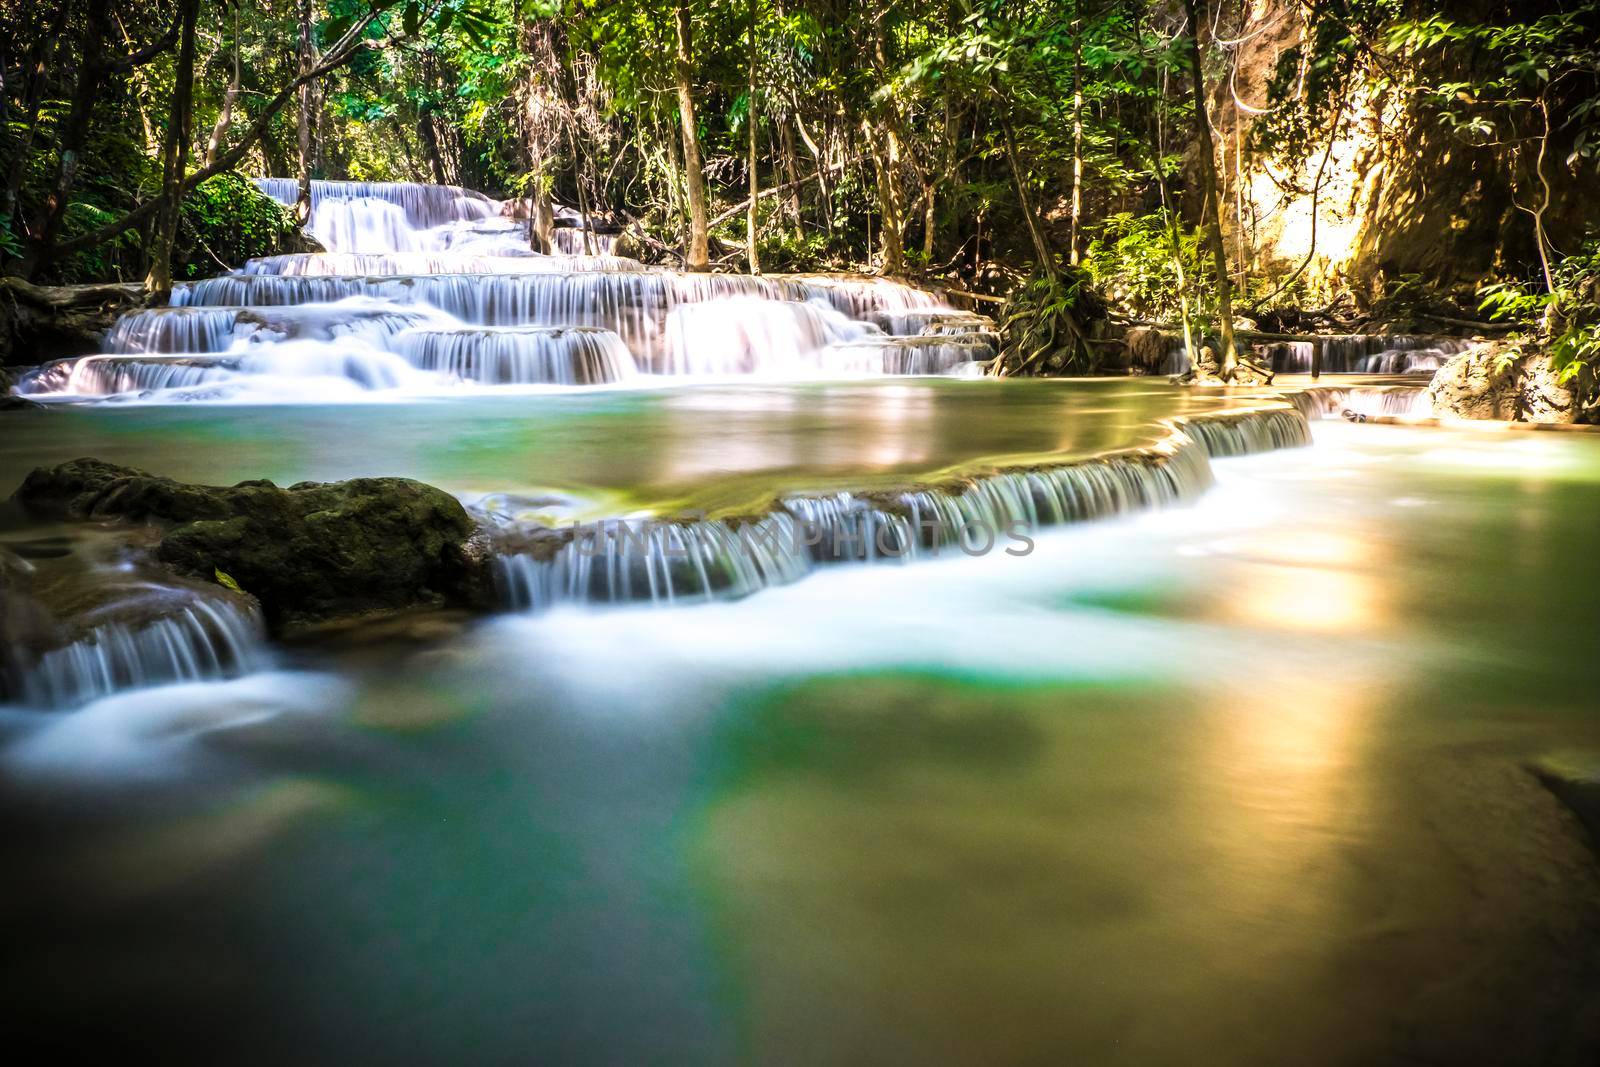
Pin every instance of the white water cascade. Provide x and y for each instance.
(1362, 353)
(672, 562)
(141, 634)
(427, 288)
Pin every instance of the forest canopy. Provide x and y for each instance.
(1183, 160)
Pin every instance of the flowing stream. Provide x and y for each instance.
(1218, 750)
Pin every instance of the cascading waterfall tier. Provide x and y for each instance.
(639, 306)
(1341, 354)
(385, 264)
(424, 288)
(674, 562)
(529, 355)
(1366, 354)
(1331, 401)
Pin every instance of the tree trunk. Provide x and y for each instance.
(428, 138)
(1212, 206)
(755, 181)
(1077, 138)
(698, 253)
(158, 281)
(885, 149)
(884, 142)
(791, 176)
(541, 119)
(302, 205)
(219, 132)
(1041, 247)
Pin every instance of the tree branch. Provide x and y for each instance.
(346, 49)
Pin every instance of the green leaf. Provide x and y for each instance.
(225, 580)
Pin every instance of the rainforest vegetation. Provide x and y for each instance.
(1198, 164)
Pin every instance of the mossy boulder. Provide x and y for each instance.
(309, 553)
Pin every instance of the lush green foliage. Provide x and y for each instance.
(226, 221)
(981, 143)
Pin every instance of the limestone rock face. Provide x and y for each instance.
(1493, 381)
(309, 553)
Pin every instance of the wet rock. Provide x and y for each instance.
(1497, 381)
(18, 403)
(1574, 777)
(309, 553)
(43, 322)
(1147, 348)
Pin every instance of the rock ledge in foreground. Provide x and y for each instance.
(309, 553)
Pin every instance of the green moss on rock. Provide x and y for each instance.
(309, 553)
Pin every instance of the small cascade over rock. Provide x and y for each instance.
(1331, 401)
(197, 639)
(673, 561)
(1366, 354)
(81, 625)
(1341, 354)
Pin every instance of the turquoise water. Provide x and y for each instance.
(1240, 783)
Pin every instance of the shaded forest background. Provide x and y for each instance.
(1179, 160)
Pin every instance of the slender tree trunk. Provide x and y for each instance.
(885, 149)
(541, 118)
(1175, 239)
(791, 176)
(302, 205)
(825, 189)
(755, 180)
(1538, 213)
(1077, 138)
(698, 253)
(1041, 247)
(428, 138)
(884, 142)
(1208, 188)
(139, 92)
(158, 281)
(219, 132)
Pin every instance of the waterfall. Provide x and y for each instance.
(1341, 354)
(673, 562)
(191, 637)
(1366, 354)
(391, 263)
(553, 355)
(426, 288)
(744, 334)
(1319, 402)
(421, 205)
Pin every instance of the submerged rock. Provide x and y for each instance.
(1496, 381)
(309, 553)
